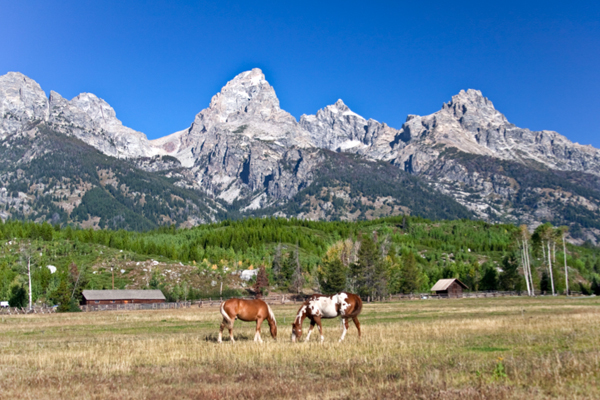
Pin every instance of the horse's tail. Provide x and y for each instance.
(358, 307)
(272, 322)
(226, 316)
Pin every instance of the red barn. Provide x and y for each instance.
(91, 297)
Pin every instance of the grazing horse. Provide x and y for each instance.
(318, 306)
(247, 310)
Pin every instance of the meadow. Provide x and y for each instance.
(495, 348)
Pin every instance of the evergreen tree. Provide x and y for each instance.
(288, 267)
(261, 285)
(595, 288)
(585, 290)
(64, 299)
(18, 296)
(510, 279)
(489, 280)
(369, 271)
(410, 274)
(333, 279)
(545, 282)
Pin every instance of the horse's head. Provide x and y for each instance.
(296, 331)
(273, 330)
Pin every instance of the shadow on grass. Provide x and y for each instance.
(214, 337)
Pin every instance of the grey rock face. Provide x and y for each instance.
(92, 120)
(471, 124)
(338, 128)
(245, 147)
(22, 101)
(235, 146)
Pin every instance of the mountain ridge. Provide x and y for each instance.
(244, 151)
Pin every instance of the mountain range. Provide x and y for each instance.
(73, 161)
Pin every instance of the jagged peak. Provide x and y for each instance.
(253, 77)
(20, 79)
(341, 108)
(247, 93)
(340, 104)
(15, 75)
(55, 96)
(85, 96)
(471, 97)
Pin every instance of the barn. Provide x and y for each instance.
(91, 297)
(449, 288)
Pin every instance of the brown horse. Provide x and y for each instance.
(318, 306)
(247, 310)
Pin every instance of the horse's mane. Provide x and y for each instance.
(271, 315)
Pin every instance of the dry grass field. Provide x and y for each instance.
(503, 348)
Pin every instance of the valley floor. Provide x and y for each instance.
(501, 348)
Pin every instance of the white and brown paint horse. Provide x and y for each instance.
(247, 310)
(318, 306)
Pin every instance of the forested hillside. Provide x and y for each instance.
(58, 178)
(390, 255)
(352, 188)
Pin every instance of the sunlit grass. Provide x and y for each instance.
(453, 349)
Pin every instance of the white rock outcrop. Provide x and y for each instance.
(22, 102)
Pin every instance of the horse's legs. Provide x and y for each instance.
(257, 337)
(312, 325)
(221, 330)
(345, 326)
(318, 321)
(355, 319)
(230, 326)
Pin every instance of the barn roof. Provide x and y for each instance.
(444, 284)
(123, 295)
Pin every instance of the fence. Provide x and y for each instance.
(135, 306)
(23, 310)
(271, 300)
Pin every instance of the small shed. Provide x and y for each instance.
(449, 288)
(91, 297)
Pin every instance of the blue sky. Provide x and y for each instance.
(158, 63)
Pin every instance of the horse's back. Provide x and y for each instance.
(250, 310)
(326, 306)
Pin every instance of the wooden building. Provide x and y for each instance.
(91, 297)
(449, 288)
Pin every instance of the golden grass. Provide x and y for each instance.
(448, 349)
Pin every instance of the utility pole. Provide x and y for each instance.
(550, 268)
(566, 269)
(29, 273)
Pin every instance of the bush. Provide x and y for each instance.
(18, 296)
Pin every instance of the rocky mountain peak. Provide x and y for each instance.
(22, 100)
(248, 93)
(474, 110)
(340, 110)
(336, 127)
(86, 111)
